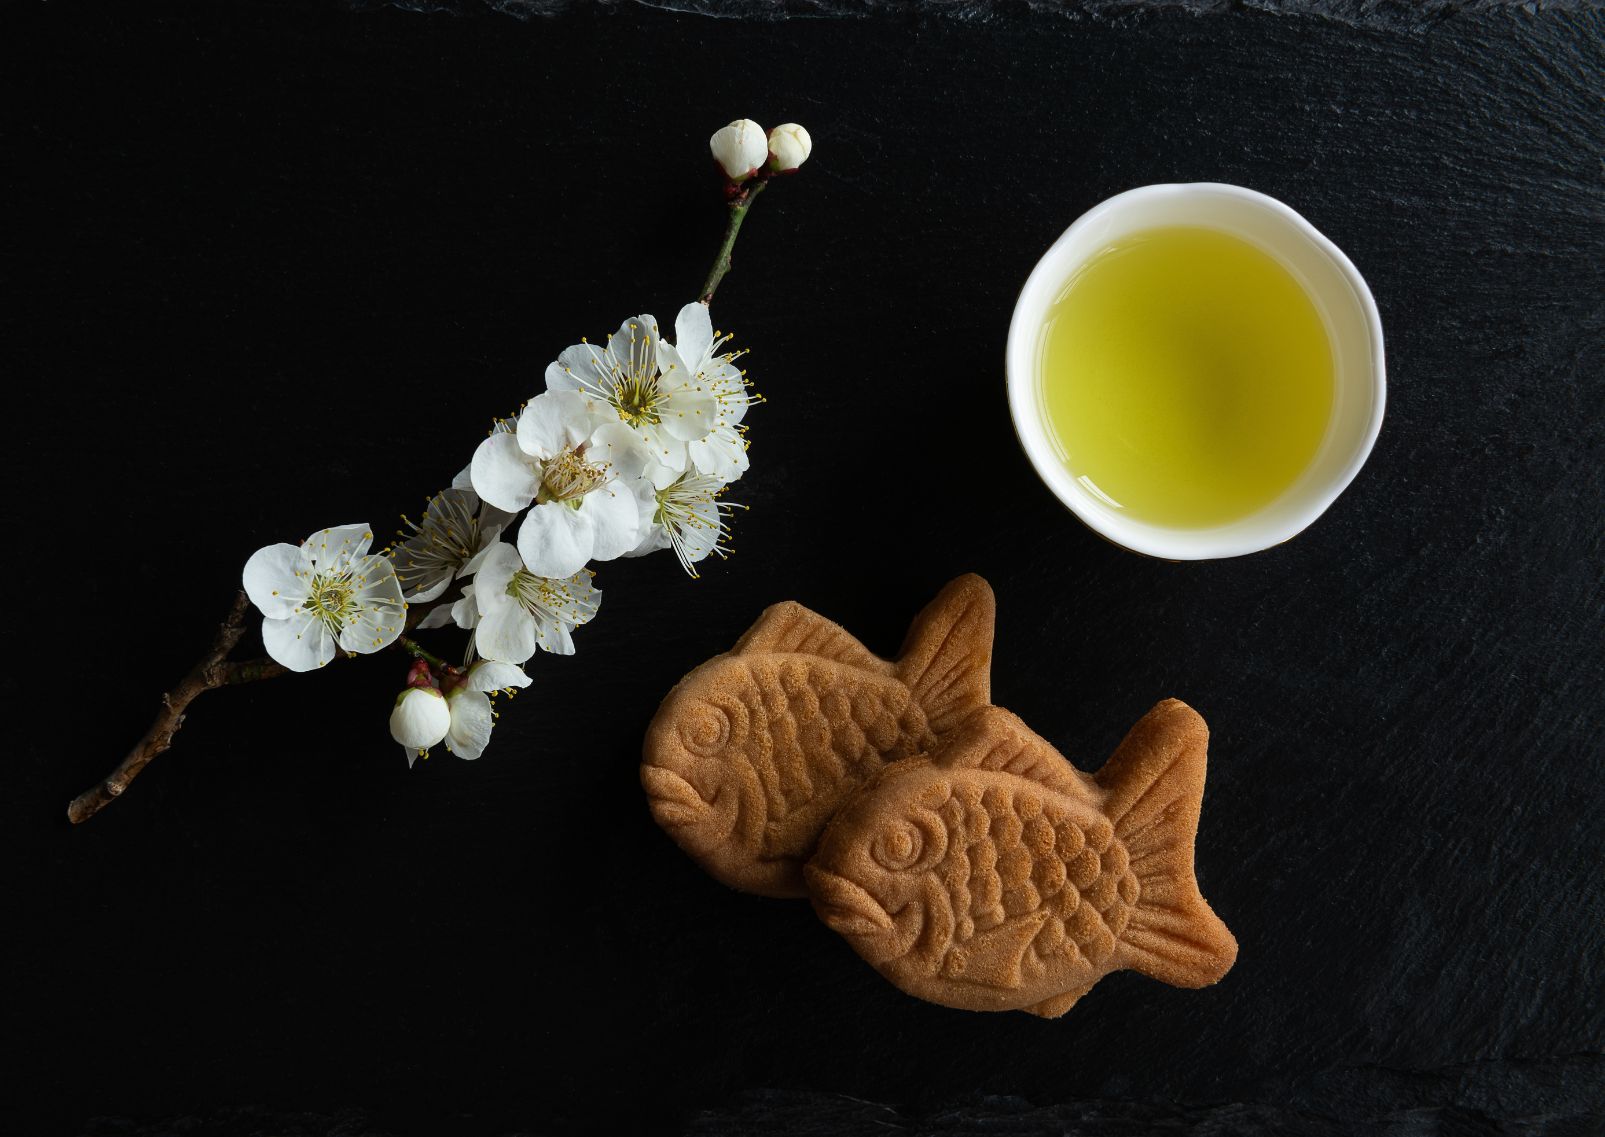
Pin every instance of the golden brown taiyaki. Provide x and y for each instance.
(751, 753)
(995, 876)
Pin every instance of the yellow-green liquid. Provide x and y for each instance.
(1186, 377)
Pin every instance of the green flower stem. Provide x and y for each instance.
(738, 213)
(418, 651)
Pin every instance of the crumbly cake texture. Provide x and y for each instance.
(993, 875)
(752, 753)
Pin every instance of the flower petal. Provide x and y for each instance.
(425, 595)
(722, 455)
(661, 476)
(634, 347)
(471, 722)
(555, 421)
(376, 582)
(655, 538)
(693, 332)
(473, 563)
(491, 523)
(506, 633)
(729, 387)
(576, 368)
(439, 617)
(700, 534)
(614, 514)
(465, 612)
(503, 474)
(662, 449)
(333, 550)
(429, 587)
(673, 372)
(690, 413)
(493, 675)
(301, 643)
(556, 540)
(500, 562)
(372, 629)
(272, 580)
(557, 640)
(615, 445)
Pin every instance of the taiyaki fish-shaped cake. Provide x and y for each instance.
(995, 876)
(751, 753)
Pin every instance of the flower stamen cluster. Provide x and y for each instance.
(569, 477)
(691, 511)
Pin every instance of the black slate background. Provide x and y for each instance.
(274, 267)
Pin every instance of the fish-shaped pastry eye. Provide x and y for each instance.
(708, 728)
(910, 843)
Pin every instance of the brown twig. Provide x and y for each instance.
(213, 670)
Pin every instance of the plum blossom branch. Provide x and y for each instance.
(628, 450)
(211, 672)
(214, 670)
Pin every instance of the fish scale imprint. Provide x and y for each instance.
(800, 712)
(1009, 856)
(1110, 894)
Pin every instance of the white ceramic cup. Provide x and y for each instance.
(1334, 286)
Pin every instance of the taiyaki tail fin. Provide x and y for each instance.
(1155, 787)
(947, 658)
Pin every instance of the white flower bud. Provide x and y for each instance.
(789, 147)
(739, 148)
(420, 719)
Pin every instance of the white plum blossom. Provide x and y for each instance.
(574, 459)
(789, 147)
(472, 715)
(665, 411)
(519, 611)
(419, 720)
(722, 452)
(689, 517)
(559, 537)
(456, 530)
(329, 590)
(739, 148)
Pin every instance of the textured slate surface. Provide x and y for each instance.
(279, 264)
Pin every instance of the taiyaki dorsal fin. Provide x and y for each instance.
(996, 739)
(790, 628)
(947, 658)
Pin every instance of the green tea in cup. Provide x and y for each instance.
(1186, 376)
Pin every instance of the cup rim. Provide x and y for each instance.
(1152, 540)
